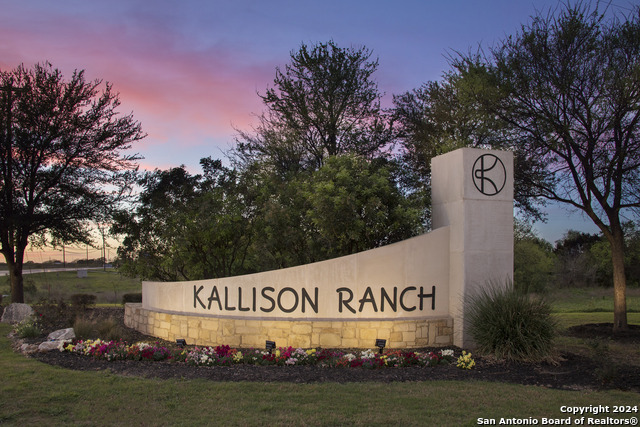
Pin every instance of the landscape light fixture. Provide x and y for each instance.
(181, 342)
(270, 345)
(381, 344)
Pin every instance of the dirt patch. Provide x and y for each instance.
(572, 371)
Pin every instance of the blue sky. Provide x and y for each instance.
(189, 70)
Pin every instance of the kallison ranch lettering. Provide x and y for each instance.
(289, 300)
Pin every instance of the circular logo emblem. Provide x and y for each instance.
(489, 174)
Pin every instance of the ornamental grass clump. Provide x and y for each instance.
(510, 325)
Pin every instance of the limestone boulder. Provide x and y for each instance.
(28, 348)
(49, 346)
(61, 335)
(16, 312)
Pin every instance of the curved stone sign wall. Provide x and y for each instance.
(409, 293)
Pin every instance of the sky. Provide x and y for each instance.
(190, 71)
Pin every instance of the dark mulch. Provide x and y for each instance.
(572, 371)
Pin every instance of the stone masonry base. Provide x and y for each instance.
(248, 333)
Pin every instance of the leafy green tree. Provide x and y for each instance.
(63, 160)
(600, 253)
(568, 85)
(576, 266)
(348, 205)
(534, 260)
(354, 205)
(281, 228)
(324, 103)
(187, 227)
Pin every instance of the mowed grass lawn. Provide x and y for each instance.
(108, 285)
(35, 393)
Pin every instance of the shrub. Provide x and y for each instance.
(131, 298)
(509, 324)
(54, 315)
(28, 328)
(109, 329)
(84, 329)
(83, 300)
(104, 329)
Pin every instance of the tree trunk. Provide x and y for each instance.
(15, 263)
(619, 280)
(17, 282)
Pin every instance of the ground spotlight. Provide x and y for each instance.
(381, 344)
(181, 342)
(270, 345)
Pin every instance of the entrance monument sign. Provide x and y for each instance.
(410, 293)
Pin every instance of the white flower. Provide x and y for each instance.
(368, 354)
(447, 352)
(63, 344)
(142, 345)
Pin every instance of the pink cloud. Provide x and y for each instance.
(176, 93)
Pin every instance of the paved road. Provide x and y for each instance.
(50, 270)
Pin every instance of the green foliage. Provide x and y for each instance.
(137, 297)
(353, 205)
(600, 253)
(509, 324)
(534, 260)
(28, 328)
(576, 267)
(228, 222)
(187, 227)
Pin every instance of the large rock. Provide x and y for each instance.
(61, 335)
(49, 346)
(16, 312)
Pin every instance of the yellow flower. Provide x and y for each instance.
(278, 353)
(465, 361)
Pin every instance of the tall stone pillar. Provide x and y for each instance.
(472, 193)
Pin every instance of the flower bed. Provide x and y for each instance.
(226, 356)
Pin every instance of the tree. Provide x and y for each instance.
(441, 116)
(533, 259)
(600, 253)
(569, 86)
(187, 227)
(354, 205)
(324, 103)
(62, 159)
(576, 265)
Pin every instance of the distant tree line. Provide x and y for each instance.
(578, 259)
